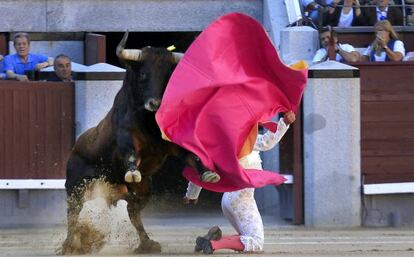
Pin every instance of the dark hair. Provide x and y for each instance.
(327, 29)
(20, 35)
(61, 56)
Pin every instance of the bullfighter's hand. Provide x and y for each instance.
(289, 117)
(187, 200)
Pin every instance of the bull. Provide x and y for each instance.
(126, 147)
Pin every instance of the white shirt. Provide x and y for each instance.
(381, 13)
(321, 53)
(345, 20)
(398, 47)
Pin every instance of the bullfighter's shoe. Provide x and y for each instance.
(203, 242)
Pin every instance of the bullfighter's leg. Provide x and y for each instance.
(206, 175)
(137, 200)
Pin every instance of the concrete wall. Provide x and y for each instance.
(332, 153)
(274, 19)
(95, 91)
(114, 15)
(298, 43)
(28, 208)
(267, 198)
(395, 210)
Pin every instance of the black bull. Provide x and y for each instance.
(126, 147)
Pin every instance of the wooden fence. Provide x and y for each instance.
(36, 129)
(387, 122)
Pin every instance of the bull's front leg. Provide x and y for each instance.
(72, 244)
(129, 150)
(133, 175)
(137, 200)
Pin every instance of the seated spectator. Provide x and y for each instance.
(2, 74)
(344, 52)
(409, 57)
(345, 13)
(315, 9)
(63, 69)
(386, 46)
(16, 65)
(382, 11)
(410, 12)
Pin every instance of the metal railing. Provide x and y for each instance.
(325, 7)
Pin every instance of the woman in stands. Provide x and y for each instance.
(386, 46)
(345, 13)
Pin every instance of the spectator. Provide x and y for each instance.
(63, 69)
(345, 13)
(410, 12)
(16, 65)
(409, 56)
(315, 9)
(382, 11)
(2, 74)
(386, 46)
(344, 52)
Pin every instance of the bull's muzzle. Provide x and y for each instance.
(152, 104)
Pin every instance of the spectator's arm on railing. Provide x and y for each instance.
(364, 58)
(12, 75)
(42, 65)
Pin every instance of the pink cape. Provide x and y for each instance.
(229, 79)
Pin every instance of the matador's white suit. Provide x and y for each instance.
(240, 207)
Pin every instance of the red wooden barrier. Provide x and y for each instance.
(36, 129)
(387, 122)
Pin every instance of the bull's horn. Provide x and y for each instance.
(129, 54)
(177, 57)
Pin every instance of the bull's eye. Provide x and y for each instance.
(142, 76)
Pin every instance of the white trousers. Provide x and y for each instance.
(241, 211)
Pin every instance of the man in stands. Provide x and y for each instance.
(344, 52)
(382, 11)
(17, 65)
(63, 69)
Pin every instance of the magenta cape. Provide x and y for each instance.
(229, 79)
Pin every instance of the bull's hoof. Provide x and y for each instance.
(85, 241)
(133, 176)
(148, 246)
(69, 247)
(210, 177)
